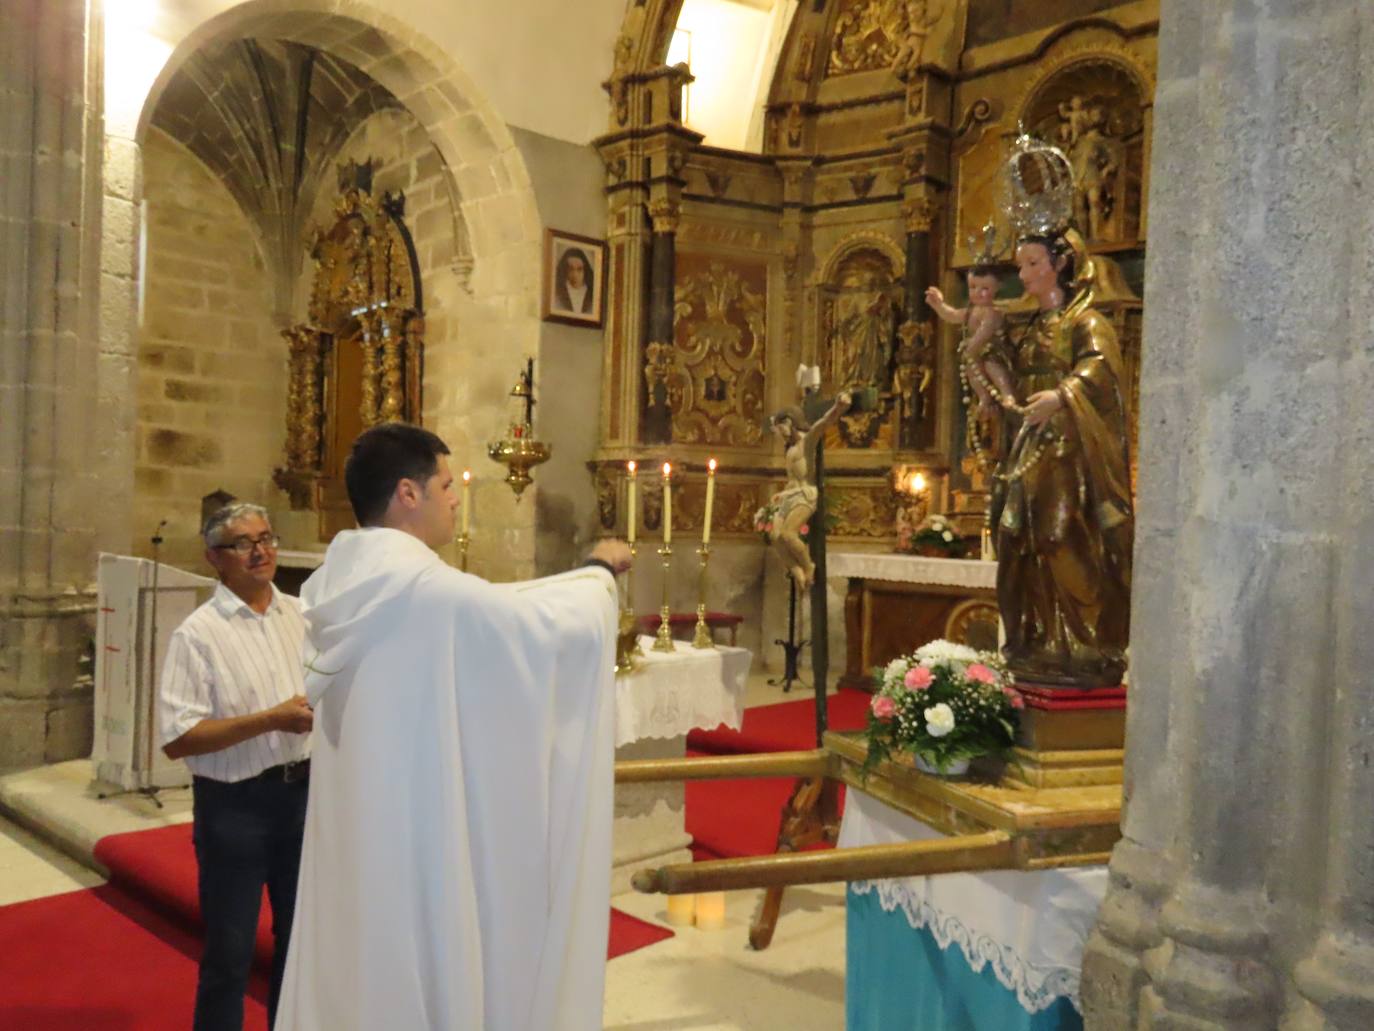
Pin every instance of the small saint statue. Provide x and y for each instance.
(794, 505)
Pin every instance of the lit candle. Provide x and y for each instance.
(710, 910)
(667, 504)
(630, 500)
(681, 909)
(710, 502)
(467, 500)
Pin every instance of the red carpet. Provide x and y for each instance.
(785, 727)
(96, 961)
(629, 933)
(729, 818)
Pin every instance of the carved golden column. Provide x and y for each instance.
(916, 360)
(304, 420)
(294, 389)
(393, 389)
(371, 322)
(414, 367)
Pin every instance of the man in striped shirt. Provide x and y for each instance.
(231, 703)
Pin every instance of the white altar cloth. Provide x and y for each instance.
(913, 569)
(1030, 925)
(671, 693)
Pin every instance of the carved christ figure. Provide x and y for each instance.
(795, 504)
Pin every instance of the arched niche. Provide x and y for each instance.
(1093, 105)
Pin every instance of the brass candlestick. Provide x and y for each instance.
(627, 636)
(664, 641)
(702, 637)
(463, 540)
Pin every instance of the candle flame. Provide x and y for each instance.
(467, 475)
(711, 465)
(667, 469)
(632, 465)
(918, 482)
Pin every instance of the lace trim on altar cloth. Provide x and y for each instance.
(1036, 988)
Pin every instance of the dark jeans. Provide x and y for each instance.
(247, 836)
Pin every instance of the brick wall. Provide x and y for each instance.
(211, 364)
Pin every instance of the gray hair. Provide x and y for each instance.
(213, 530)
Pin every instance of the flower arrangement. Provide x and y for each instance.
(935, 536)
(944, 704)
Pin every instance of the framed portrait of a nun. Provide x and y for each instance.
(574, 279)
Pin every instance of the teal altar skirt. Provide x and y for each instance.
(993, 951)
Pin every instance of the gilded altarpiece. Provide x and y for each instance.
(359, 358)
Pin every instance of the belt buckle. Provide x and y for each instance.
(295, 771)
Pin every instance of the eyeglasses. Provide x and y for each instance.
(244, 545)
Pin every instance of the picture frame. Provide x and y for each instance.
(564, 298)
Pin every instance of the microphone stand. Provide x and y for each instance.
(150, 789)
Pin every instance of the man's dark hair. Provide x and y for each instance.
(381, 458)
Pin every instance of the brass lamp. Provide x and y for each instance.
(519, 452)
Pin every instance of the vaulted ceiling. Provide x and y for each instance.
(267, 117)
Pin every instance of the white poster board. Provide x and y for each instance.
(132, 630)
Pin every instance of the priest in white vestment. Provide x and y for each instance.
(456, 868)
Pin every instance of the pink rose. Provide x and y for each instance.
(883, 707)
(918, 678)
(1014, 696)
(977, 671)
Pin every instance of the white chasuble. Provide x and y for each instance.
(456, 868)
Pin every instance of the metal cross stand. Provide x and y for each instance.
(791, 647)
(814, 407)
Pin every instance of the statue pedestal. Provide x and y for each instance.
(1069, 737)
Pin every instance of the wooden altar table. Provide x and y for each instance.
(896, 603)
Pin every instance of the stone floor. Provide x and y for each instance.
(695, 981)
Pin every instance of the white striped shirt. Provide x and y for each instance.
(227, 660)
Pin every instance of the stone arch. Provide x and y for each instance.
(488, 176)
(484, 173)
(868, 240)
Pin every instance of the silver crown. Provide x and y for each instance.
(987, 249)
(1039, 182)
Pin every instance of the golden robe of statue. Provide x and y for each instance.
(1061, 504)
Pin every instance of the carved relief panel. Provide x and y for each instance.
(715, 373)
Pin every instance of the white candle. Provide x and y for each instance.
(681, 910)
(667, 504)
(710, 502)
(467, 499)
(632, 497)
(710, 910)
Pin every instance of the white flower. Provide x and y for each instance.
(948, 536)
(895, 671)
(939, 720)
(944, 651)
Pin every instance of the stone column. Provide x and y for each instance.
(1242, 891)
(50, 151)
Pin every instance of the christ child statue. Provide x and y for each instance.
(983, 322)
